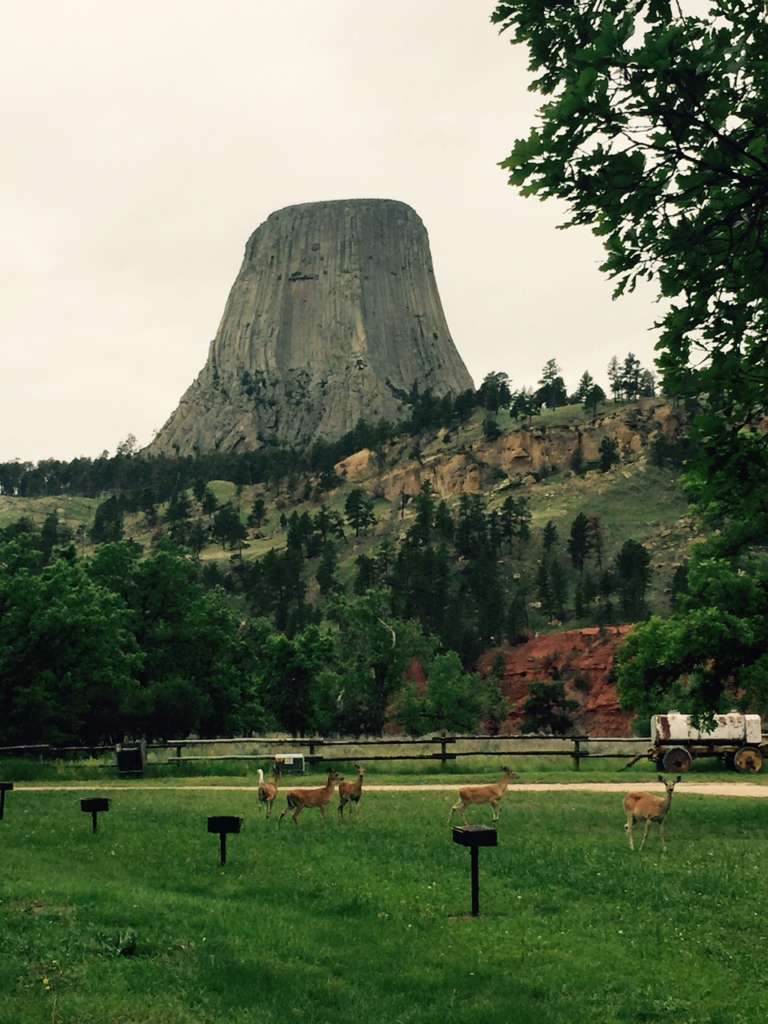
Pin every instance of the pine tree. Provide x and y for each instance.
(552, 391)
(227, 527)
(609, 454)
(586, 381)
(594, 397)
(495, 706)
(544, 588)
(359, 511)
(365, 574)
(209, 503)
(596, 539)
(578, 544)
(179, 507)
(630, 377)
(647, 384)
(444, 521)
(491, 429)
(549, 536)
(421, 531)
(559, 584)
(494, 393)
(326, 571)
(633, 573)
(517, 623)
(108, 522)
(547, 709)
(614, 378)
(257, 515)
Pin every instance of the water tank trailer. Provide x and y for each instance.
(735, 738)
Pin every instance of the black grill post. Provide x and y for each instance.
(5, 787)
(94, 806)
(222, 826)
(475, 836)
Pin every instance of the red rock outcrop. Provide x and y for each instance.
(583, 659)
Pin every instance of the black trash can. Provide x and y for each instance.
(131, 758)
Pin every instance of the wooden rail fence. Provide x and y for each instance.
(318, 751)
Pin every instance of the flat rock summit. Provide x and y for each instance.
(334, 316)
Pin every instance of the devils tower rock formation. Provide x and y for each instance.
(334, 316)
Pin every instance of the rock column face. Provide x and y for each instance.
(334, 316)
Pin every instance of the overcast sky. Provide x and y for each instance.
(143, 143)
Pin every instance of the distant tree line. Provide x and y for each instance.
(124, 643)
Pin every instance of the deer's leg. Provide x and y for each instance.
(341, 810)
(496, 805)
(296, 814)
(457, 806)
(645, 833)
(663, 840)
(628, 830)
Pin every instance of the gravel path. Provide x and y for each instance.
(741, 789)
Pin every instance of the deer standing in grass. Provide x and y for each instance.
(268, 790)
(491, 794)
(298, 799)
(350, 793)
(648, 807)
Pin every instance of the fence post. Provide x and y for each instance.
(576, 753)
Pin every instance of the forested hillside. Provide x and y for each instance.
(300, 600)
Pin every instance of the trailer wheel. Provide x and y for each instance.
(677, 759)
(748, 759)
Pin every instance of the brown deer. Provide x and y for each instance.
(491, 794)
(298, 799)
(268, 790)
(350, 793)
(648, 807)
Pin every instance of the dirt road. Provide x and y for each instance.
(738, 789)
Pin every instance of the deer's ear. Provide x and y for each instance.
(661, 778)
(678, 779)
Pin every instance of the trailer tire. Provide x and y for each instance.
(677, 759)
(748, 760)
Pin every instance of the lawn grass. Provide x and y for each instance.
(367, 922)
(386, 773)
(474, 769)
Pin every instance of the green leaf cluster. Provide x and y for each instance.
(653, 132)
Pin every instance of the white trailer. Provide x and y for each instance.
(735, 738)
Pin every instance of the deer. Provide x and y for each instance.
(648, 807)
(490, 794)
(350, 793)
(298, 799)
(268, 790)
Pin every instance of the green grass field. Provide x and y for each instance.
(475, 769)
(367, 922)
